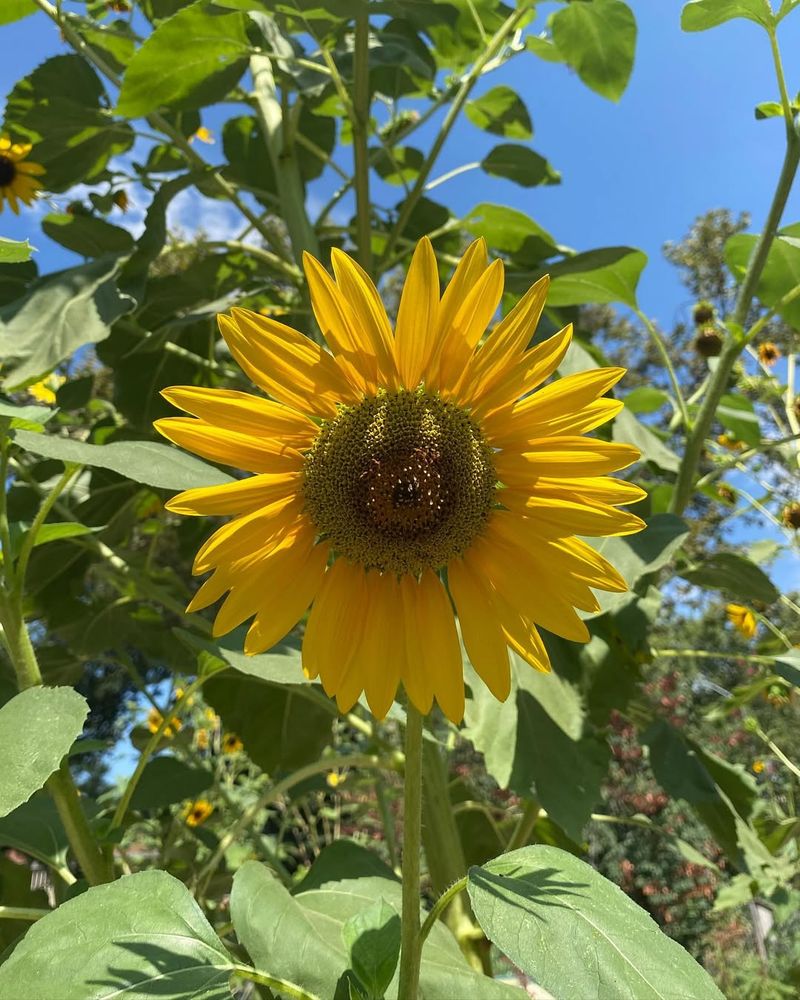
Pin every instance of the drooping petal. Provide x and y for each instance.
(335, 624)
(483, 637)
(382, 649)
(417, 316)
(441, 650)
(416, 679)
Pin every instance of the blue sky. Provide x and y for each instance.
(683, 139)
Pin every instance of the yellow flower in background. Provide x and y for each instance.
(154, 720)
(17, 176)
(730, 442)
(121, 200)
(231, 743)
(768, 353)
(742, 619)
(211, 716)
(44, 391)
(273, 310)
(198, 812)
(205, 135)
(393, 459)
(201, 739)
(334, 779)
(758, 766)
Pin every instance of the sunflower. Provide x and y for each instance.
(17, 178)
(742, 619)
(402, 471)
(231, 743)
(768, 353)
(198, 812)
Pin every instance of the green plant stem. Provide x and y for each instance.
(282, 986)
(22, 913)
(387, 821)
(704, 654)
(778, 753)
(360, 106)
(661, 347)
(150, 748)
(506, 29)
(736, 461)
(5, 533)
(440, 906)
(274, 792)
(525, 824)
(411, 943)
(41, 515)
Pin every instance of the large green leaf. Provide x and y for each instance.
(207, 69)
(372, 938)
(607, 275)
(267, 918)
(699, 15)
(281, 665)
(282, 727)
(734, 573)
(737, 414)
(343, 859)
(630, 430)
(512, 231)
(144, 462)
(15, 890)
(15, 10)
(519, 164)
(57, 315)
(35, 828)
(781, 272)
(787, 665)
(88, 235)
(142, 936)
(577, 934)
(37, 728)
(501, 111)
(61, 107)
(598, 38)
(167, 780)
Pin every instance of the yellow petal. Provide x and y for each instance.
(281, 606)
(562, 456)
(239, 497)
(381, 652)
(585, 562)
(482, 635)
(228, 447)
(286, 364)
(579, 422)
(250, 533)
(521, 635)
(602, 489)
(29, 167)
(335, 624)
(243, 413)
(368, 312)
(506, 385)
(560, 516)
(416, 680)
(417, 315)
(441, 650)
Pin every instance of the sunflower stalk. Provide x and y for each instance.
(411, 941)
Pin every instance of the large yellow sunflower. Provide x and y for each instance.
(402, 478)
(17, 176)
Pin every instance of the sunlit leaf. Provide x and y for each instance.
(699, 15)
(598, 38)
(521, 165)
(501, 111)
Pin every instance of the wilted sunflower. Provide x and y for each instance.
(768, 353)
(400, 467)
(742, 619)
(17, 177)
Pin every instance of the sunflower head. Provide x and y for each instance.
(17, 174)
(703, 313)
(231, 743)
(742, 619)
(403, 478)
(768, 353)
(198, 812)
(708, 342)
(790, 515)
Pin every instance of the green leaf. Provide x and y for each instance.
(15, 890)
(787, 665)
(14, 251)
(699, 15)
(281, 727)
(62, 108)
(37, 728)
(344, 859)
(577, 934)
(58, 314)
(511, 231)
(265, 917)
(598, 39)
(280, 665)
(501, 111)
(372, 940)
(768, 109)
(519, 164)
(402, 166)
(543, 47)
(87, 235)
(167, 780)
(781, 272)
(645, 399)
(35, 828)
(205, 72)
(628, 429)
(737, 415)
(608, 275)
(143, 935)
(15, 10)
(142, 461)
(734, 573)
(24, 416)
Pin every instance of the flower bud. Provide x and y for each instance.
(708, 342)
(703, 313)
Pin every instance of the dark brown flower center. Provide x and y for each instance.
(8, 171)
(401, 482)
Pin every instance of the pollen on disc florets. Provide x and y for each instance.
(401, 482)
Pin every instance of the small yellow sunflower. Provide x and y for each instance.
(400, 472)
(201, 739)
(730, 442)
(758, 766)
(198, 812)
(768, 353)
(154, 720)
(742, 619)
(17, 176)
(231, 743)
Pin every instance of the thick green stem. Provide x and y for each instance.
(360, 133)
(41, 516)
(734, 346)
(22, 913)
(525, 824)
(411, 944)
(281, 986)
